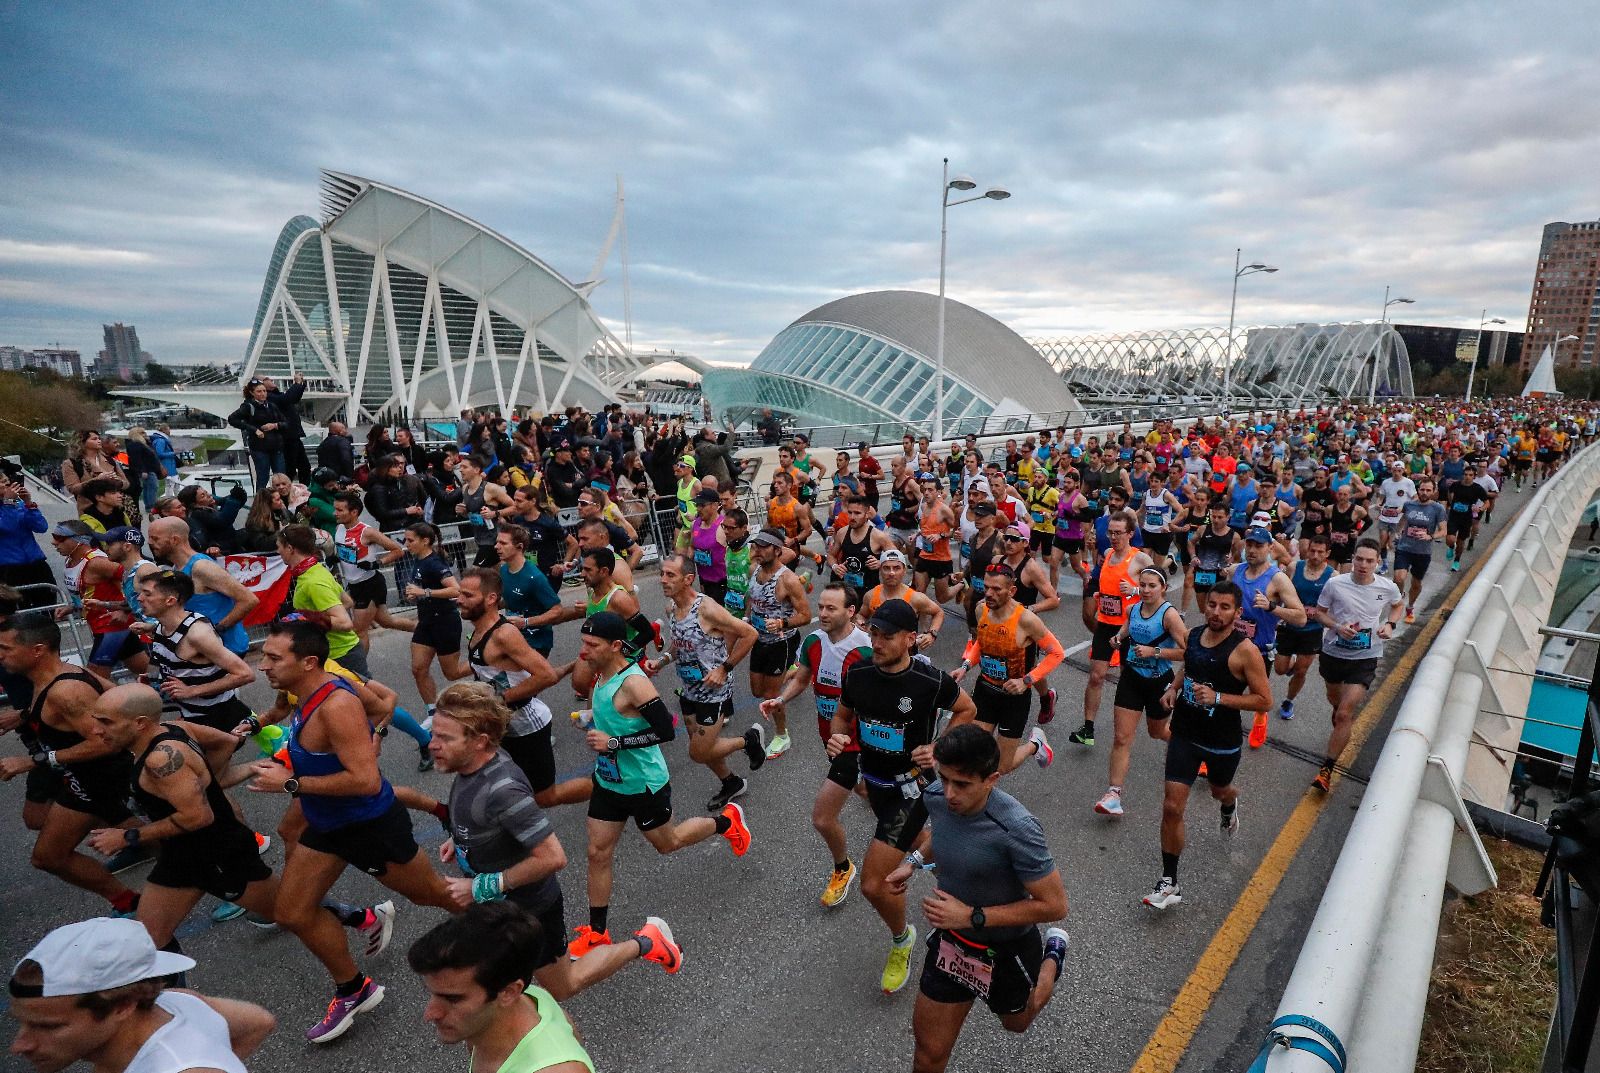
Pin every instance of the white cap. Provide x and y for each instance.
(98, 955)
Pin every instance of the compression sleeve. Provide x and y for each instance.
(971, 654)
(644, 632)
(654, 712)
(1050, 657)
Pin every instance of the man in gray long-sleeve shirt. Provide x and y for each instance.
(715, 456)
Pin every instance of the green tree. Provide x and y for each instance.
(42, 412)
(155, 374)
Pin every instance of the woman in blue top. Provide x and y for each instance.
(22, 561)
(1151, 639)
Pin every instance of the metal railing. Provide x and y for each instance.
(1360, 983)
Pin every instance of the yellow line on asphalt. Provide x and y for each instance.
(1172, 1035)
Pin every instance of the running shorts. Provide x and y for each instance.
(1299, 642)
(935, 568)
(1042, 540)
(1015, 965)
(374, 590)
(1006, 713)
(114, 647)
(706, 713)
(845, 769)
(370, 845)
(222, 865)
(1347, 672)
(535, 756)
(443, 635)
(223, 717)
(1415, 563)
(773, 658)
(1184, 758)
(1104, 641)
(648, 810)
(1140, 693)
(900, 819)
(715, 590)
(98, 788)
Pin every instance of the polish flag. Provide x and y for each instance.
(264, 575)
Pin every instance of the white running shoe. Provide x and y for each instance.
(1110, 804)
(379, 930)
(1043, 755)
(1230, 820)
(1165, 895)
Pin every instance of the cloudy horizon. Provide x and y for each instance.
(775, 160)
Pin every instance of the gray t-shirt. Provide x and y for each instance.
(985, 859)
(1418, 523)
(1367, 606)
(496, 822)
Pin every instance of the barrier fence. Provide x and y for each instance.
(1359, 987)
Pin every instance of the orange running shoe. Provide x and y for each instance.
(1258, 732)
(263, 842)
(738, 835)
(1411, 615)
(1324, 779)
(585, 940)
(663, 951)
(1203, 772)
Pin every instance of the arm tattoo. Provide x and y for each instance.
(171, 762)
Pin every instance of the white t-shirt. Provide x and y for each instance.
(1394, 494)
(1364, 606)
(195, 1038)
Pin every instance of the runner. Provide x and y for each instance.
(935, 522)
(433, 589)
(218, 595)
(96, 582)
(630, 776)
(892, 568)
(1223, 677)
(604, 594)
(79, 779)
(1491, 492)
(1153, 636)
(526, 592)
(1042, 502)
(777, 609)
(1158, 508)
(1358, 612)
(1005, 632)
(1423, 524)
(1268, 600)
(1346, 521)
(708, 541)
(1114, 591)
(825, 657)
(350, 809)
(1072, 510)
(503, 841)
(891, 707)
(858, 545)
(198, 676)
(1461, 503)
(1393, 494)
(707, 643)
(354, 542)
(997, 883)
(481, 500)
(1298, 645)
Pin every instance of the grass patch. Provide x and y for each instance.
(1494, 976)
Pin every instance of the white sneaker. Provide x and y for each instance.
(1165, 895)
(1110, 804)
(1043, 755)
(1230, 820)
(780, 745)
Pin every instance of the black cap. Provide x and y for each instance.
(323, 474)
(606, 625)
(895, 616)
(984, 509)
(706, 495)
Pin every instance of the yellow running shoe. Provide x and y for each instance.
(839, 886)
(897, 970)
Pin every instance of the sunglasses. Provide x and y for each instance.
(1011, 537)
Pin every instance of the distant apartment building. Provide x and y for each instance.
(1566, 295)
(58, 360)
(122, 359)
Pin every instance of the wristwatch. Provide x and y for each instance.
(613, 744)
(978, 917)
(131, 836)
(291, 786)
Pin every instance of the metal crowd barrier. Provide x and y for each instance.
(1360, 984)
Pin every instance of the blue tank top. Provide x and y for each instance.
(215, 607)
(1239, 505)
(1148, 631)
(1310, 592)
(1260, 626)
(323, 812)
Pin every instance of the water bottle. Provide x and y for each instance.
(583, 720)
(269, 739)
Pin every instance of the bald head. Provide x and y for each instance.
(124, 714)
(166, 536)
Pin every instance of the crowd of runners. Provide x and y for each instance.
(1209, 557)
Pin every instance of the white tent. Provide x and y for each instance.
(1542, 381)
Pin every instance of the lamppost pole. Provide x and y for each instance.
(1472, 370)
(1227, 356)
(938, 360)
(1378, 348)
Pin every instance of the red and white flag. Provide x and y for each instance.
(264, 575)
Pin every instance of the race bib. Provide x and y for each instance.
(977, 585)
(1205, 577)
(759, 621)
(882, 736)
(1339, 538)
(1110, 606)
(924, 544)
(826, 706)
(1246, 626)
(691, 672)
(1153, 519)
(605, 768)
(855, 581)
(1188, 695)
(1461, 508)
(1359, 643)
(347, 554)
(1417, 532)
(733, 601)
(1038, 517)
(993, 668)
(1389, 515)
(974, 970)
(702, 557)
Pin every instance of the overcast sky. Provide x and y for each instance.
(776, 158)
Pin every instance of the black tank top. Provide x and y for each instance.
(1342, 528)
(854, 554)
(44, 735)
(981, 556)
(1027, 595)
(223, 820)
(1211, 549)
(1216, 726)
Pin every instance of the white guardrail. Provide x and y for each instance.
(1360, 985)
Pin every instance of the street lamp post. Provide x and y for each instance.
(1483, 319)
(961, 184)
(1227, 357)
(1377, 351)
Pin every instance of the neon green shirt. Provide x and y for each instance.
(551, 1042)
(315, 590)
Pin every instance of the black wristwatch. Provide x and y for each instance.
(131, 836)
(978, 917)
(291, 786)
(614, 744)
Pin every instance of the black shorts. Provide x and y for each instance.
(1545, 456)
(370, 845)
(706, 713)
(1006, 713)
(1337, 671)
(1299, 642)
(224, 716)
(1070, 545)
(900, 819)
(935, 568)
(374, 590)
(552, 927)
(1140, 693)
(534, 754)
(98, 788)
(1184, 758)
(222, 865)
(1522, 465)
(774, 658)
(1459, 525)
(43, 784)
(486, 556)
(1157, 544)
(715, 590)
(1342, 554)
(1104, 640)
(1042, 540)
(443, 635)
(648, 810)
(845, 769)
(1415, 563)
(1016, 963)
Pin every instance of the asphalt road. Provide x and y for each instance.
(771, 980)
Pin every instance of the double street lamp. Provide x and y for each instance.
(1227, 360)
(960, 184)
(1483, 319)
(1377, 351)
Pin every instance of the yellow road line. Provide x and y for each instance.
(1176, 1029)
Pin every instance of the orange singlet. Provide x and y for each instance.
(1113, 606)
(1000, 655)
(933, 536)
(785, 515)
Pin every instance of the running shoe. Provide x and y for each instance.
(780, 745)
(378, 928)
(729, 791)
(663, 951)
(1383, 566)
(838, 887)
(738, 835)
(897, 970)
(1411, 615)
(755, 747)
(263, 843)
(342, 1013)
(1230, 820)
(127, 857)
(1110, 804)
(1055, 945)
(1043, 755)
(1165, 895)
(1258, 731)
(427, 724)
(1470, 542)
(1286, 710)
(1449, 555)
(424, 758)
(1203, 772)
(1084, 735)
(226, 911)
(1047, 707)
(585, 940)
(1324, 779)
(1455, 567)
